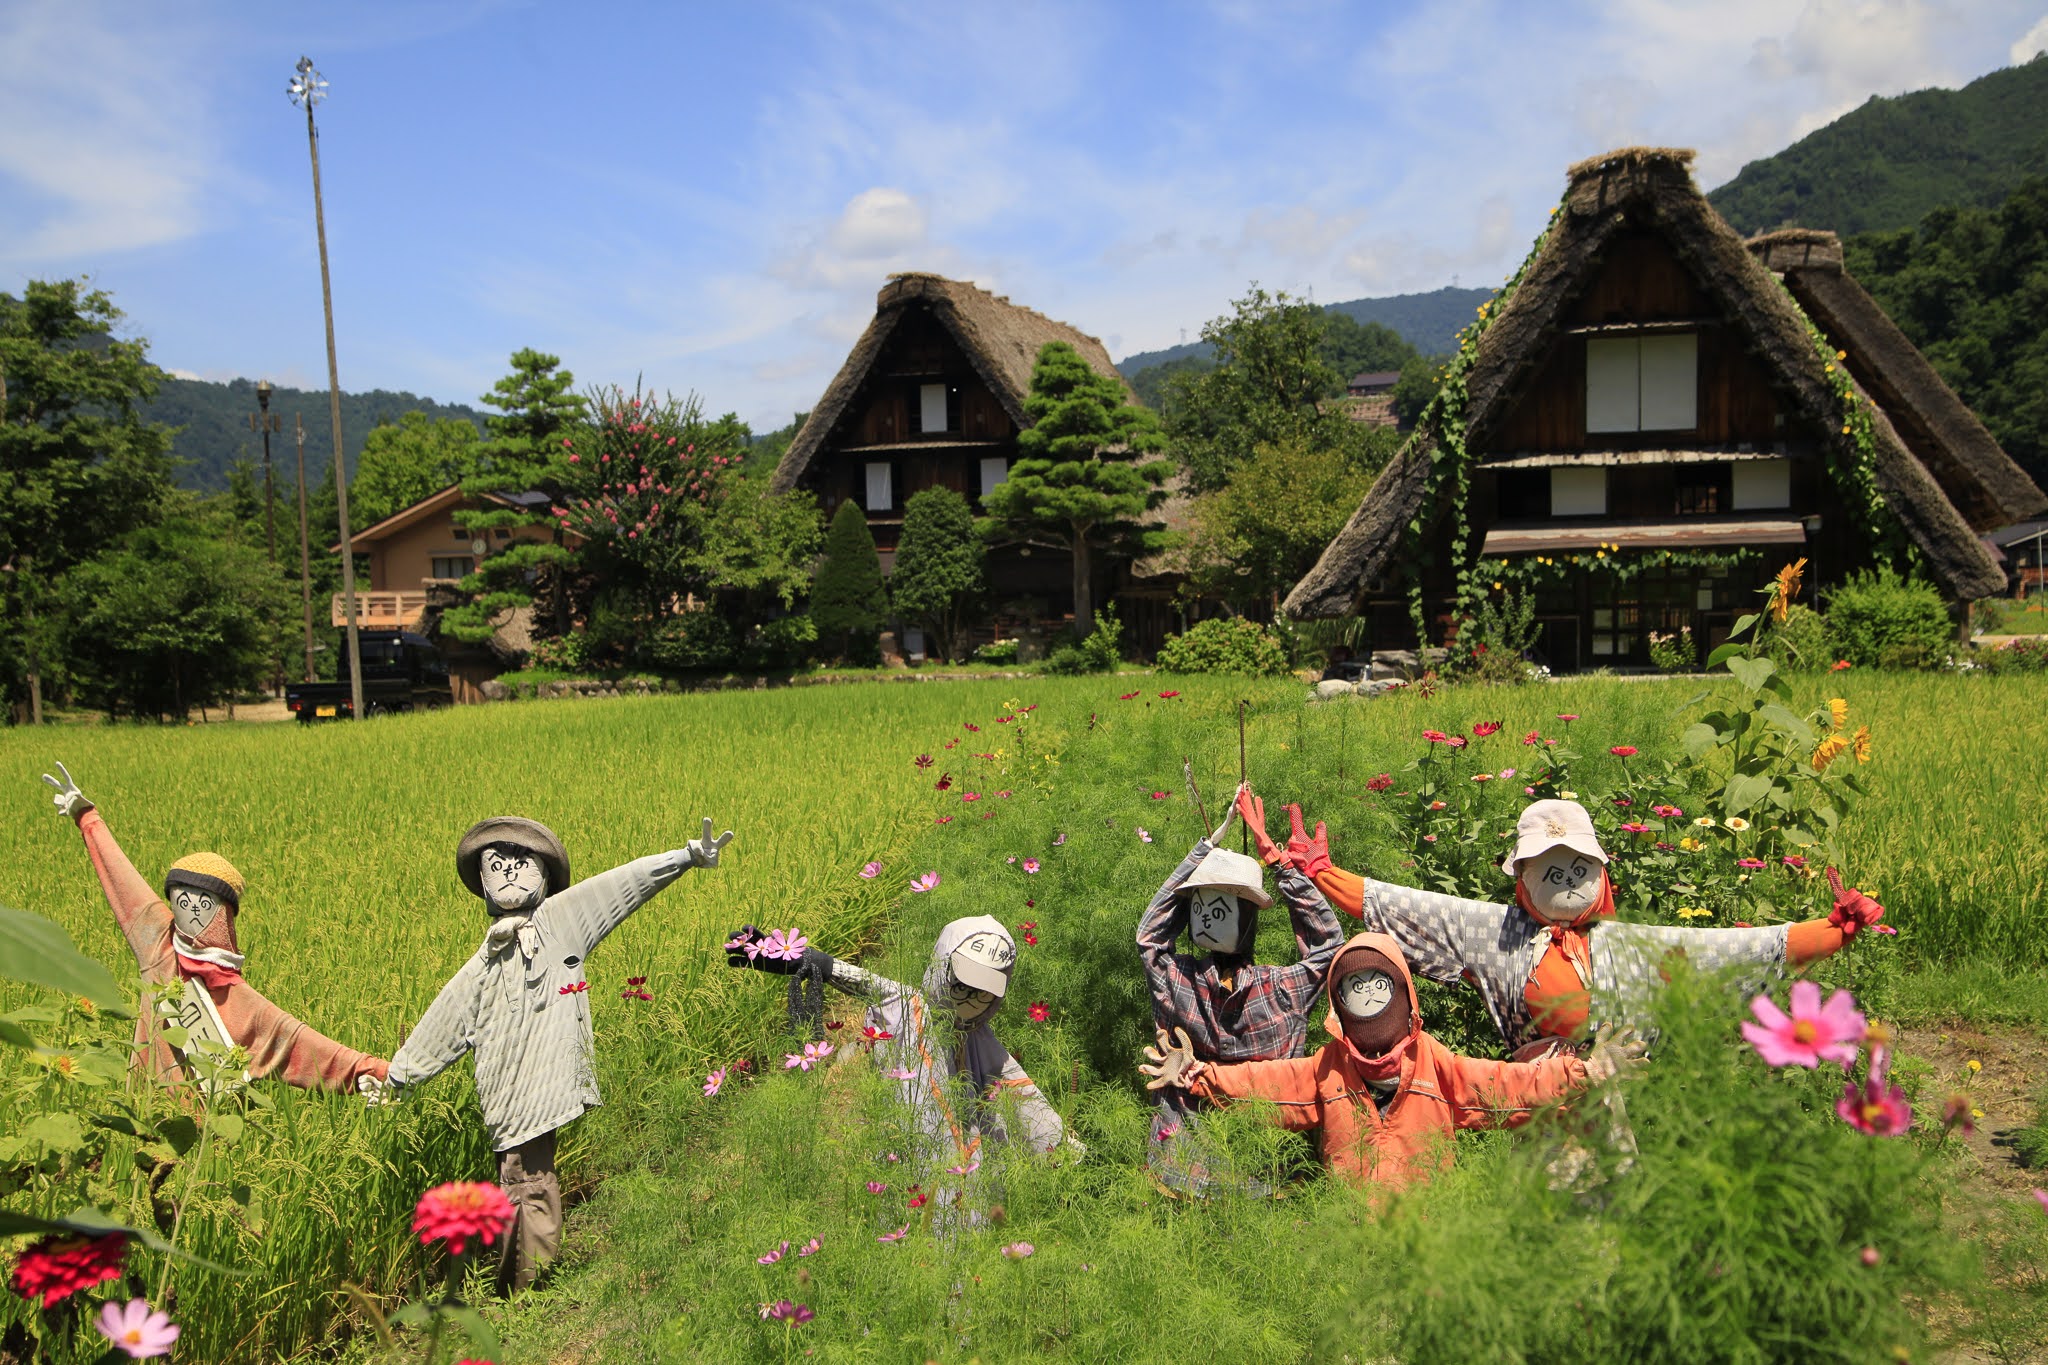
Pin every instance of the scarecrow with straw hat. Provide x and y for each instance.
(1220, 1003)
(188, 935)
(1556, 957)
(521, 1004)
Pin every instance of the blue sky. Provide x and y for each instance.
(709, 195)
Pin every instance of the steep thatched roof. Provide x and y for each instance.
(1002, 340)
(1987, 487)
(1651, 188)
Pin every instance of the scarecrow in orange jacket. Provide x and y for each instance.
(188, 934)
(1547, 963)
(1385, 1097)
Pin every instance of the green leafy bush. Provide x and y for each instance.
(997, 652)
(1224, 644)
(1492, 640)
(1799, 643)
(1675, 652)
(1096, 654)
(781, 644)
(1878, 620)
(693, 641)
(2014, 656)
(565, 653)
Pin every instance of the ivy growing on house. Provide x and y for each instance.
(1533, 572)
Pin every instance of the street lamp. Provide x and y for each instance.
(307, 89)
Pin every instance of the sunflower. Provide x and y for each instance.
(1827, 751)
(1788, 588)
(1862, 743)
(1838, 711)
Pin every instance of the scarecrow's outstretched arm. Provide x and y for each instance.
(589, 910)
(752, 948)
(445, 1031)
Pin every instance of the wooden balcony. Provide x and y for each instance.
(383, 610)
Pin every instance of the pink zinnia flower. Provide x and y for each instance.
(1811, 1034)
(1876, 1106)
(1532, 737)
(1793, 860)
(1666, 812)
(1623, 751)
(1635, 829)
(1457, 741)
(1435, 736)
(713, 1082)
(1567, 719)
(1031, 865)
(460, 1210)
(133, 1328)
(1751, 864)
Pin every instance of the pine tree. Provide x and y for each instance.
(937, 580)
(848, 604)
(1083, 483)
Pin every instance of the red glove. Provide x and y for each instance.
(1254, 812)
(1311, 855)
(1853, 910)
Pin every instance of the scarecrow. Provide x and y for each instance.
(938, 1038)
(1228, 1007)
(1540, 962)
(1383, 1094)
(188, 935)
(521, 1004)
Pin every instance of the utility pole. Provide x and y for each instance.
(308, 89)
(262, 420)
(305, 543)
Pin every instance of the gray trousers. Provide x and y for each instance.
(527, 1175)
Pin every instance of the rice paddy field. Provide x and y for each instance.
(1741, 1239)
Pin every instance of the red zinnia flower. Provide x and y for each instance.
(1158, 796)
(1840, 664)
(59, 1266)
(1532, 737)
(1038, 1012)
(1485, 728)
(460, 1210)
(1435, 736)
(1380, 783)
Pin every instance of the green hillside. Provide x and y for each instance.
(214, 427)
(1428, 322)
(1892, 161)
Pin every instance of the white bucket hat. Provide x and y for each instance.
(1549, 824)
(1232, 872)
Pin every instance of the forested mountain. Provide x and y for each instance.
(214, 428)
(1889, 163)
(1428, 322)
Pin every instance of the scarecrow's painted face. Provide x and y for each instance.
(1365, 995)
(1562, 883)
(969, 1004)
(513, 879)
(1215, 919)
(192, 910)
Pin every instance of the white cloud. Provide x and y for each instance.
(2031, 43)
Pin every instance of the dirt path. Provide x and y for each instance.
(2014, 1064)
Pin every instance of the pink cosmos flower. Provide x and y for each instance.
(1168, 696)
(1167, 1132)
(1031, 865)
(2042, 1196)
(1506, 773)
(782, 1310)
(809, 1248)
(923, 760)
(1811, 1034)
(574, 988)
(812, 1055)
(786, 944)
(871, 871)
(877, 1187)
(1127, 696)
(713, 1082)
(1872, 1256)
(928, 882)
(965, 1168)
(1876, 1106)
(900, 1073)
(944, 820)
(1144, 835)
(1038, 1012)
(134, 1329)
(895, 1236)
(772, 1257)
(970, 796)
(1058, 839)
(1017, 1251)
(1158, 796)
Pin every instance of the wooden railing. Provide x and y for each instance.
(383, 610)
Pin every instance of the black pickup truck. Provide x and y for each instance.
(401, 672)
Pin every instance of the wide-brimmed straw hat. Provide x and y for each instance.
(1232, 872)
(519, 832)
(1550, 824)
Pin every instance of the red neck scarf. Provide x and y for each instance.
(1575, 939)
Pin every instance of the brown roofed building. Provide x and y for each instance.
(932, 395)
(1649, 390)
(421, 543)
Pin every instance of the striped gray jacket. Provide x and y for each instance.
(529, 1030)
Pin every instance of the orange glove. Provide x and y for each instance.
(1853, 910)
(1254, 812)
(1311, 855)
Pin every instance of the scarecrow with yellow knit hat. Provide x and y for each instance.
(188, 934)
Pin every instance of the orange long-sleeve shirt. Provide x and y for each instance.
(1408, 1136)
(277, 1044)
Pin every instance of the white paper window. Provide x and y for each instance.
(1578, 492)
(1761, 484)
(1642, 383)
(881, 493)
(994, 469)
(931, 407)
(1611, 376)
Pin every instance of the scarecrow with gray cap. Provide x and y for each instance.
(1556, 962)
(1220, 1003)
(521, 1004)
(938, 1045)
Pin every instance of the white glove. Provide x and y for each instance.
(704, 851)
(69, 800)
(1615, 1053)
(376, 1093)
(1173, 1062)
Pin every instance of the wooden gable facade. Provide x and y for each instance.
(1650, 393)
(932, 396)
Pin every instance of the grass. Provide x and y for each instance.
(354, 919)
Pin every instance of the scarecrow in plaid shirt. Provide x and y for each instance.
(1228, 1008)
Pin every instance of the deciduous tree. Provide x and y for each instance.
(410, 459)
